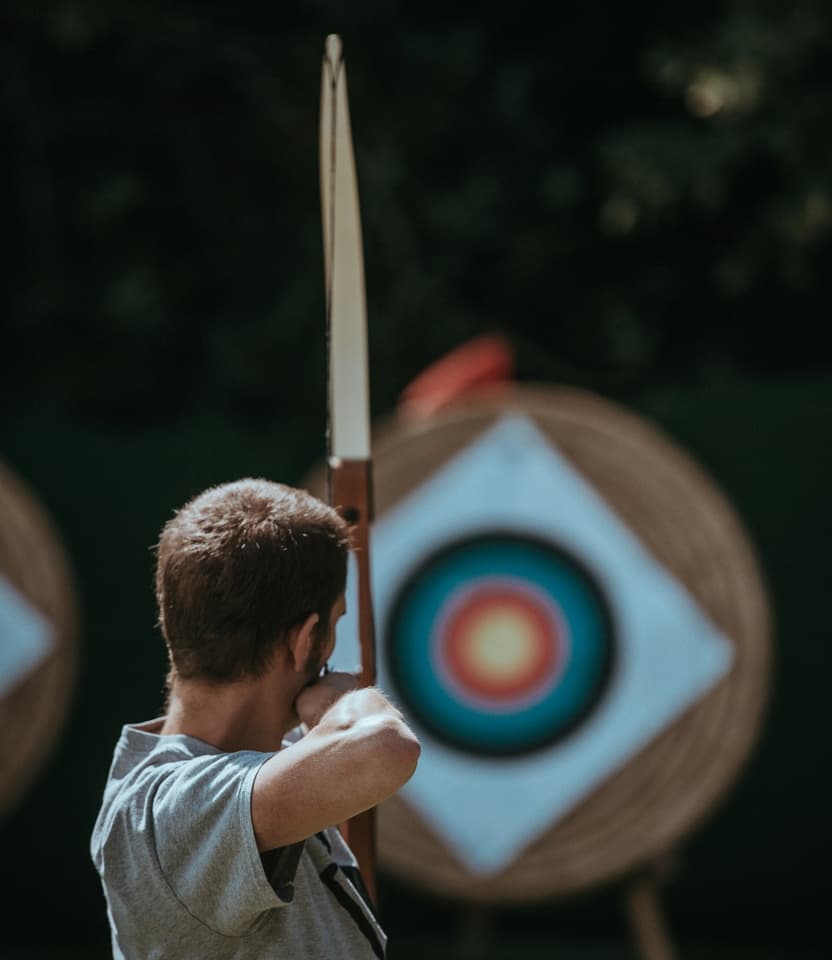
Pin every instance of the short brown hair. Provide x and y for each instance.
(239, 566)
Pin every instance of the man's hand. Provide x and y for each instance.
(314, 701)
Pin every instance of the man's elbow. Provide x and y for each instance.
(396, 754)
(409, 750)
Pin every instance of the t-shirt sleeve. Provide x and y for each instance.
(205, 843)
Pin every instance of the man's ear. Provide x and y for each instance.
(300, 640)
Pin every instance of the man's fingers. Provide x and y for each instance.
(340, 680)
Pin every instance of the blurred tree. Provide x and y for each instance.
(641, 195)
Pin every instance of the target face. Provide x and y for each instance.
(500, 644)
(533, 641)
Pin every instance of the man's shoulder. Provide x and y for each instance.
(150, 773)
(141, 757)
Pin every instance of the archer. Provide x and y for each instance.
(216, 835)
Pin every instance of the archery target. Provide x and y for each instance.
(500, 644)
(37, 634)
(507, 557)
(560, 491)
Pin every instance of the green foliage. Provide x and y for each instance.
(640, 195)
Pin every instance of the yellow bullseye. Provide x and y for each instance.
(500, 645)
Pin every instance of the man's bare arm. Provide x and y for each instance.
(356, 754)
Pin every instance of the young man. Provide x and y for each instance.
(216, 835)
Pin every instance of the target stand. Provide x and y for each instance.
(38, 623)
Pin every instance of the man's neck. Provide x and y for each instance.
(243, 715)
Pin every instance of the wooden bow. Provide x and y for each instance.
(349, 460)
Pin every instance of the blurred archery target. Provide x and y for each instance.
(517, 538)
(499, 644)
(38, 625)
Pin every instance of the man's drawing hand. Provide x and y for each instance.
(313, 701)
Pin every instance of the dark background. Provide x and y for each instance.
(638, 195)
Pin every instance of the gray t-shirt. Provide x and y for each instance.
(175, 849)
